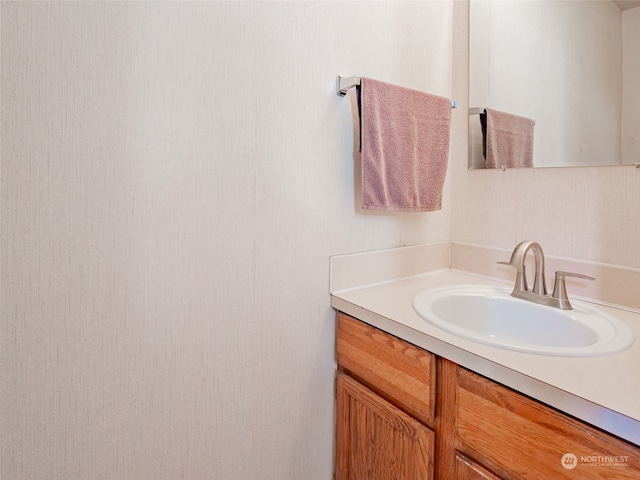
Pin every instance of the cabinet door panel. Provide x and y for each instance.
(395, 369)
(530, 440)
(377, 441)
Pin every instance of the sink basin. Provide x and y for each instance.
(490, 315)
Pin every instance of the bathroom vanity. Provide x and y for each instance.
(414, 401)
(405, 413)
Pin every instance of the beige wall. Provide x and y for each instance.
(175, 176)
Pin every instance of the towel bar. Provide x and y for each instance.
(345, 83)
(479, 110)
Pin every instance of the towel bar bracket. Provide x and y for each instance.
(345, 83)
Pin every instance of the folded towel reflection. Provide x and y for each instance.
(404, 140)
(507, 139)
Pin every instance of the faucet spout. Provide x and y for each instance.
(518, 260)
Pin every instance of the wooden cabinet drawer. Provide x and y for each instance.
(398, 371)
(509, 432)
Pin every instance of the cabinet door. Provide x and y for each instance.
(377, 441)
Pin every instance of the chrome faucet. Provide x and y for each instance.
(538, 293)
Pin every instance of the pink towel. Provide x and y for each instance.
(509, 140)
(405, 147)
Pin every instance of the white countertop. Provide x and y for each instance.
(603, 391)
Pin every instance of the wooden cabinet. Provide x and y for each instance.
(382, 417)
(404, 413)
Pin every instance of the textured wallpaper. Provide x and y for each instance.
(175, 176)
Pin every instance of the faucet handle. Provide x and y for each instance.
(560, 289)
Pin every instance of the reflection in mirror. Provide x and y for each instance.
(571, 67)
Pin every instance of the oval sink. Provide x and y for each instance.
(490, 315)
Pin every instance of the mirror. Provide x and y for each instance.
(572, 67)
